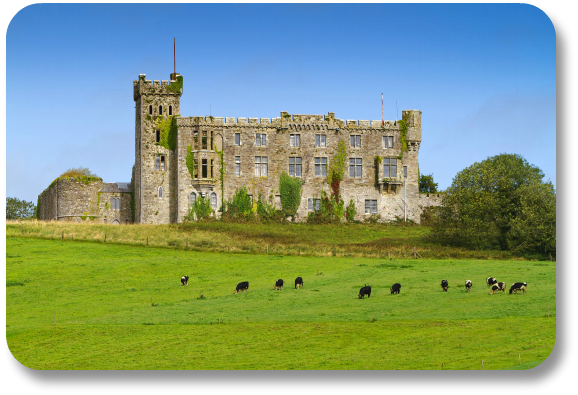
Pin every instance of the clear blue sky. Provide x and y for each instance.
(484, 77)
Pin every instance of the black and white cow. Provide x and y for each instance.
(185, 280)
(298, 282)
(468, 285)
(244, 286)
(490, 281)
(445, 285)
(501, 287)
(518, 287)
(278, 284)
(366, 290)
(395, 288)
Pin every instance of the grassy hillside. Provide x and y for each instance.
(80, 305)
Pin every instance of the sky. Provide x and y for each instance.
(483, 75)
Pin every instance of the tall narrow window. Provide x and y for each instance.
(195, 168)
(196, 139)
(212, 169)
(162, 162)
(160, 192)
(237, 138)
(212, 146)
(170, 110)
(405, 172)
(295, 166)
(151, 109)
(320, 167)
(355, 167)
(204, 168)
(158, 163)
(192, 198)
(214, 200)
(295, 140)
(389, 167)
(237, 165)
(158, 136)
(387, 142)
(261, 166)
(160, 110)
(204, 139)
(320, 140)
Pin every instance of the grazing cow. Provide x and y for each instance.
(490, 281)
(395, 288)
(185, 280)
(298, 282)
(366, 290)
(518, 287)
(445, 285)
(501, 287)
(278, 285)
(468, 285)
(244, 286)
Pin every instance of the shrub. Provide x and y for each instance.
(200, 210)
(329, 211)
(350, 211)
(372, 219)
(240, 207)
(290, 190)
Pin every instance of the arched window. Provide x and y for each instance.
(151, 109)
(160, 192)
(170, 110)
(192, 198)
(160, 110)
(214, 200)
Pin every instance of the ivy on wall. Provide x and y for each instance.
(290, 191)
(190, 160)
(402, 138)
(377, 162)
(222, 170)
(169, 129)
(336, 169)
(176, 86)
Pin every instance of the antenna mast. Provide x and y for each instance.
(175, 55)
(382, 109)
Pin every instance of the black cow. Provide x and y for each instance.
(445, 285)
(244, 286)
(490, 281)
(278, 284)
(518, 287)
(185, 280)
(468, 285)
(395, 288)
(298, 282)
(366, 290)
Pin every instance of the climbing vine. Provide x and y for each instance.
(190, 160)
(336, 169)
(221, 171)
(176, 86)
(402, 138)
(290, 190)
(377, 162)
(169, 129)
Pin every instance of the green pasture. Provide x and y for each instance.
(86, 305)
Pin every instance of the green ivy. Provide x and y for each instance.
(200, 210)
(176, 86)
(350, 211)
(190, 160)
(169, 129)
(222, 170)
(377, 162)
(290, 190)
(86, 180)
(402, 138)
(336, 169)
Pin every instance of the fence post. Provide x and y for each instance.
(62, 235)
(299, 251)
(147, 241)
(187, 242)
(442, 366)
(267, 249)
(482, 364)
(105, 237)
(389, 255)
(519, 360)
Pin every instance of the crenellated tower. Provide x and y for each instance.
(157, 106)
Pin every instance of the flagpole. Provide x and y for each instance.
(382, 109)
(175, 56)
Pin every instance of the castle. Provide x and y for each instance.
(179, 159)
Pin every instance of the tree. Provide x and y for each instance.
(427, 184)
(499, 203)
(78, 172)
(19, 209)
(290, 191)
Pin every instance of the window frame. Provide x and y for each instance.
(238, 137)
(163, 164)
(297, 166)
(372, 209)
(192, 198)
(313, 204)
(259, 139)
(237, 166)
(211, 196)
(295, 140)
(160, 192)
(385, 142)
(318, 140)
(160, 109)
(357, 167)
(170, 110)
(389, 166)
(261, 165)
(320, 165)
(355, 139)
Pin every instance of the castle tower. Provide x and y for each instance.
(410, 159)
(157, 106)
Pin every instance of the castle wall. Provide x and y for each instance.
(70, 199)
(48, 203)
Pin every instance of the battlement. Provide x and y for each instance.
(142, 86)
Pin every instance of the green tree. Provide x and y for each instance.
(290, 190)
(427, 184)
(200, 210)
(499, 203)
(19, 209)
(239, 207)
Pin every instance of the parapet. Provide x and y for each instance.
(413, 121)
(157, 87)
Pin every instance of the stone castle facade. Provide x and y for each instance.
(177, 161)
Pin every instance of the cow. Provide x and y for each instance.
(395, 288)
(468, 285)
(244, 286)
(278, 284)
(502, 287)
(365, 290)
(298, 282)
(185, 280)
(490, 281)
(445, 285)
(518, 287)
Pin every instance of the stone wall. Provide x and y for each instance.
(70, 199)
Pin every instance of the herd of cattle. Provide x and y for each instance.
(395, 288)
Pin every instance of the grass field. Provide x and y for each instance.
(87, 305)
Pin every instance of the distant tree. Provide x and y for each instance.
(499, 203)
(78, 172)
(427, 184)
(19, 209)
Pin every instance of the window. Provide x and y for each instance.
(158, 136)
(405, 172)
(237, 138)
(389, 167)
(192, 198)
(160, 192)
(158, 163)
(237, 165)
(320, 140)
(160, 110)
(162, 162)
(261, 166)
(260, 139)
(355, 141)
(294, 167)
(354, 167)
(320, 167)
(214, 200)
(151, 109)
(170, 110)
(295, 140)
(387, 142)
(204, 141)
(195, 168)
(206, 168)
(370, 206)
(115, 203)
(313, 204)
(196, 139)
